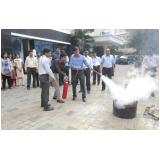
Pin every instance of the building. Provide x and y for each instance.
(21, 40)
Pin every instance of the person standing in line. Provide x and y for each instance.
(13, 75)
(31, 67)
(114, 58)
(37, 75)
(34, 52)
(138, 62)
(6, 70)
(66, 68)
(150, 63)
(58, 68)
(76, 63)
(19, 70)
(96, 67)
(44, 73)
(107, 63)
(87, 71)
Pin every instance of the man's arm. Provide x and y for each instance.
(101, 67)
(26, 62)
(86, 63)
(71, 63)
(58, 68)
(36, 64)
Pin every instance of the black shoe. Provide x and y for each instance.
(28, 88)
(153, 95)
(102, 89)
(37, 85)
(74, 98)
(60, 101)
(88, 92)
(98, 84)
(34, 86)
(93, 83)
(84, 99)
(48, 109)
(80, 91)
(77, 83)
(47, 105)
(54, 98)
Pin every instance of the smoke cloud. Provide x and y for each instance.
(137, 89)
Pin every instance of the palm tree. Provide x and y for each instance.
(81, 39)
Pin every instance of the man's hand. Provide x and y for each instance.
(36, 70)
(91, 73)
(26, 71)
(65, 78)
(54, 79)
(79, 67)
(91, 68)
(100, 70)
(113, 70)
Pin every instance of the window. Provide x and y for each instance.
(15, 44)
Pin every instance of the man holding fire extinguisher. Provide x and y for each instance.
(58, 66)
(76, 63)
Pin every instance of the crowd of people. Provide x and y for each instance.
(52, 69)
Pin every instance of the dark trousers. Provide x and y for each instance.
(60, 79)
(44, 79)
(95, 74)
(37, 79)
(29, 72)
(66, 71)
(75, 76)
(108, 72)
(87, 76)
(8, 80)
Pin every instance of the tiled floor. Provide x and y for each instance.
(20, 110)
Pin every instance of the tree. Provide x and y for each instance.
(142, 39)
(81, 39)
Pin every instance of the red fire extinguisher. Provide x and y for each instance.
(65, 89)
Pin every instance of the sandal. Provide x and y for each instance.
(4, 89)
(17, 85)
(23, 85)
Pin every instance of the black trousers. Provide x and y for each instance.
(96, 68)
(108, 72)
(37, 79)
(60, 79)
(75, 76)
(29, 72)
(66, 71)
(87, 76)
(44, 79)
(4, 81)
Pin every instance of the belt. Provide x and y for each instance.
(43, 74)
(97, 66)
(85, 68)
(107, 67)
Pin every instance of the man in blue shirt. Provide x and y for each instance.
(107, 62)
(76, 63)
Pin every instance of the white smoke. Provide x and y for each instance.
(138, 89)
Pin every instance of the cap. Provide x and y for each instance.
(85, 50)
(94, 52)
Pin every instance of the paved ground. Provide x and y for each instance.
(20, 110)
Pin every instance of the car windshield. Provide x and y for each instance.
(123, 57)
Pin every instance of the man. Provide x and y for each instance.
(66, 68)
(150, 63)
(37, 75)
(34, 52)
(58, 68)
(107, 62)
(91, 54)
(76, 63)
(114, 58)
(31, 67)
(87, 70)
(44, 73)
(96, 67)
(138, 62)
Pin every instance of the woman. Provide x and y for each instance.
(6, 70)
(19, 69)
(13, 76)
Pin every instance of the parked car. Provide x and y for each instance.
(126, 59)
(117, 57)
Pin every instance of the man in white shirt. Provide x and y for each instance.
(34, 52)
(87, 71)
(150, 63)
(96, 67)
(44, 73)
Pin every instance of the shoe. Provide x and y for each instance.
(54, 98)
(84, 99)
(102, 89)
(47, 105)
(28, 88)
(74, 98)
(48, 109)
(80, 91)
(153, 95)
(34, 86)
(88, 92)
(4, 89)
(60, 101)
(37, 85)
(98, 84)
(93, 83)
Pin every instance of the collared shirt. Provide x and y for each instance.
(3, 65)
(114, 58)
(38, 59)
(139, 59)
(151, 61)
(78, 61)
(55, 56)
(89, 60)
(44, 67)
(96, 61)
(67, 61)
(34, 53)
(31, 62)
(58, 67)
(107, 61)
